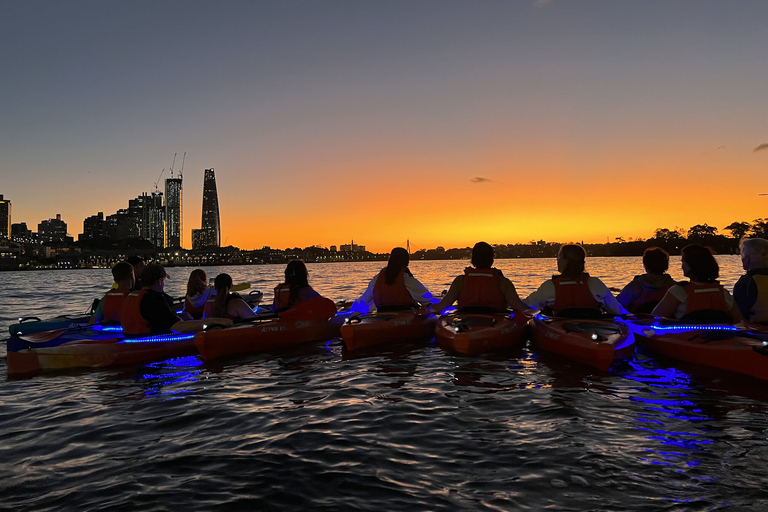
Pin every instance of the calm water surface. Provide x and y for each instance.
(409, 427)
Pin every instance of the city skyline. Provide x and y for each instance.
(439, 122)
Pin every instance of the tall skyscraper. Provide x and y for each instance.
(173, 212)
(211, 223)
(5, 218)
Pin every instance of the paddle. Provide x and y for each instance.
(43, 336)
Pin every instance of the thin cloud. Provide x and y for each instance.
(761, 147)
(478, 179)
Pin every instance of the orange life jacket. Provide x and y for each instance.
(130, 314)
(208, 306)
(705, 296)
(283, 296)
(481, 288)
(395, 294)
(113, 304)
(573, 294)
(196, 313)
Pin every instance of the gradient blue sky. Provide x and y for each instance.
(441, 122)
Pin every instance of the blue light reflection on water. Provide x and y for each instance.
(672, 418)
(169, 374)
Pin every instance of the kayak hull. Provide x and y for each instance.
(476, 333)
(262, 336)
(87, 349)
(381, 328)
(594, 342)
(717, 346)
(31, 325)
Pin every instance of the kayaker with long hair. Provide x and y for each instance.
(645, 291)
(702, 299)
(295, 288)
(481, 287)
(198, 292)
(225, 303)
(574, 292)
(394, 287)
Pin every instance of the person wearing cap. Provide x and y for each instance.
(149, 310)
(138, 268)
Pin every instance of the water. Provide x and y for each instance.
(410, 427)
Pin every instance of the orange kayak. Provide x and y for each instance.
(91, 348)
(727, 347)
(306, 322)
(480, 332)
(387, 327)
(594, 342)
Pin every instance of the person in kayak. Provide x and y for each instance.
(198, 292)
(108, 310)
(394, 287)
(574, 292)
(702, 299)
(751, 290)
(138, 268)
(225, 303)
(150, 310)
(645, 291)
(481, 287)
(294, 289)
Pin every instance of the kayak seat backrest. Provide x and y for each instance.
(384, 308)
(707, 316)
(580, 313)
(478, 310)
(646, 307)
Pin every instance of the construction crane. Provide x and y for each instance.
(174, 163)
(158, 179)
(183, 159)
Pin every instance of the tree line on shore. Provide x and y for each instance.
(671, 240)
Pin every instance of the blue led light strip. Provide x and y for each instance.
(159, 339)
(688, 328)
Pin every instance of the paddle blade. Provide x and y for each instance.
(312, 309)
(44, 336)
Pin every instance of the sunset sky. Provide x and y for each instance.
(442, 122)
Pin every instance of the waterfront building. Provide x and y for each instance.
(209, 234)
(94, 228)
(122, 225)
(148, 209)
(352, 247)
(21, 233)
(173, 212)
(198, 239)
(52, 230)
(5, 217)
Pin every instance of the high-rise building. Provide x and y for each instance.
(5, 217)
(52, 230)
(211, 223)
(21, 233)
(148, 209)
(173, 212)
(94, 228)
